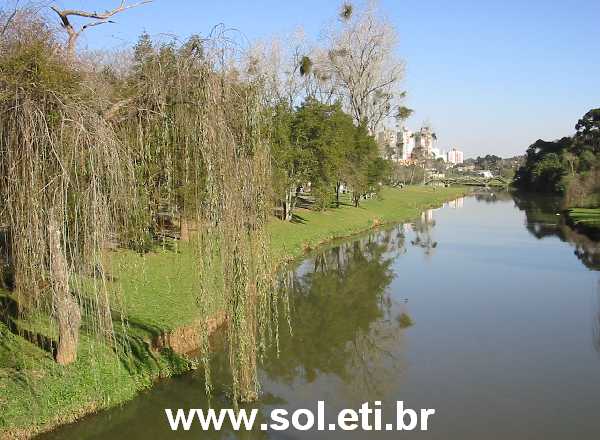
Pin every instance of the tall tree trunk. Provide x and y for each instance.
(71, 46)
(288, 204)
(412, 174)
(293, 202)
(287, 208)
(184, 230)
(247, 378)
(66, 307)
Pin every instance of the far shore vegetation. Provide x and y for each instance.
(569, 167)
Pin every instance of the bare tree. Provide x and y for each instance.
(367, 72)
(97, 18)
(321, 81)
(7, 20)
(279, 62)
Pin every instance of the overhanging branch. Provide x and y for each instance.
(100, 17)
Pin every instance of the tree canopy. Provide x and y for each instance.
(570, 166)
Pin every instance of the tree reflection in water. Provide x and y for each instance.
(344, 322)
(346, 343)
(597, 322)
(543, 221)
(422, 228)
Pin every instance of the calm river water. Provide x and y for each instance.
(486, 309)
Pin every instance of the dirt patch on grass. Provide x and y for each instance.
(186, 339)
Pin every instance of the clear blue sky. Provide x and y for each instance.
(490, 76)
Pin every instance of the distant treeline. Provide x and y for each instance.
(569, 166)
(498, 166)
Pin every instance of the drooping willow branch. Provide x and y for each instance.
(191, 141)
(203, 122)
(66, 189)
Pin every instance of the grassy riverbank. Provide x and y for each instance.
(310, 228)
(160, 295)
(586, 219)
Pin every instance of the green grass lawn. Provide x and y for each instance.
(586, 216)
(36, 392)
(159, 294)
(310, 228)
(160, 288)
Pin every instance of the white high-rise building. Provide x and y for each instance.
(406, 143)
(399, 145)
(386, 139)
(436, 153)
(396, 145)
(424, 139)
(455, 156)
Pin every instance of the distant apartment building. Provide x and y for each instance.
(424, 139)
(396, 145)
(406, 143)
(399, 145)
(436, 153)
(455, 156)
(387, 140)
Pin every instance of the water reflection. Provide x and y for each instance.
(597, 322)
(455, 204)
(423, 229)
(487, 333)
(492, 196)
(340, 302)
(544, 220)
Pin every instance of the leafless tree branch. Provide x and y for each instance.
(101, 17)
(9, 19)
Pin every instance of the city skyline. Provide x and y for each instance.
(397, 144)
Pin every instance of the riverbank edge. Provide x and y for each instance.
(585, 221)
(287, 247)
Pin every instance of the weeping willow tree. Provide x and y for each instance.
(65, 185)
(199, 132)
(187, 138)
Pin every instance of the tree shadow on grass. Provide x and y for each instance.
(9, 316)
(11, 365)
(132, 341)
(298, 219)
(136, 351)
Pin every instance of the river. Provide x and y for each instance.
(487, 310)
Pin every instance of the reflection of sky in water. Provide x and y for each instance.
(503, 343)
